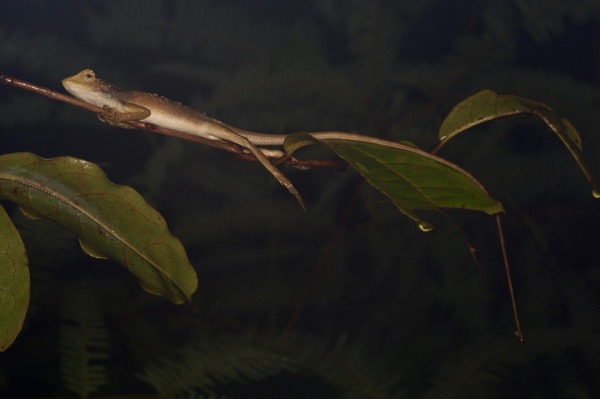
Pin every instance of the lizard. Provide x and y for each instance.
(121, 106)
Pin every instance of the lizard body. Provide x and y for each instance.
(135, 105)
(127, 105)
(121, 106)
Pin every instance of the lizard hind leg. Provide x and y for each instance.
(281, 178)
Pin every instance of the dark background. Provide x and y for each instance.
(355, 289)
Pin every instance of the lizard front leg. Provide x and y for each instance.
(128, 112)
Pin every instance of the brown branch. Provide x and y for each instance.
(221, 145)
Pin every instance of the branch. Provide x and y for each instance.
(221, 145)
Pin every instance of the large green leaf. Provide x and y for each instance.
(112, 221)
(413, 179)
(14, 282)
(488, 105)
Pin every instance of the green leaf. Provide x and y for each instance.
(488, 105)
(111, 221)
(14, 282)
(413, 179)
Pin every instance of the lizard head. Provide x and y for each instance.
(87, 87)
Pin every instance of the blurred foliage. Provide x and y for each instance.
(353, 267)
(83, 341)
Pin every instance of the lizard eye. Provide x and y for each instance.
(89, 75)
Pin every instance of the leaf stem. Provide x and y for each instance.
(518, 332)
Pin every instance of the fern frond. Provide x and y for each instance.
(203, 366)
(546, 19)
(83, 343)
(488, 366)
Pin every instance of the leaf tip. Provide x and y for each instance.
(425, 227)
(30, 213)
(91, 251)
